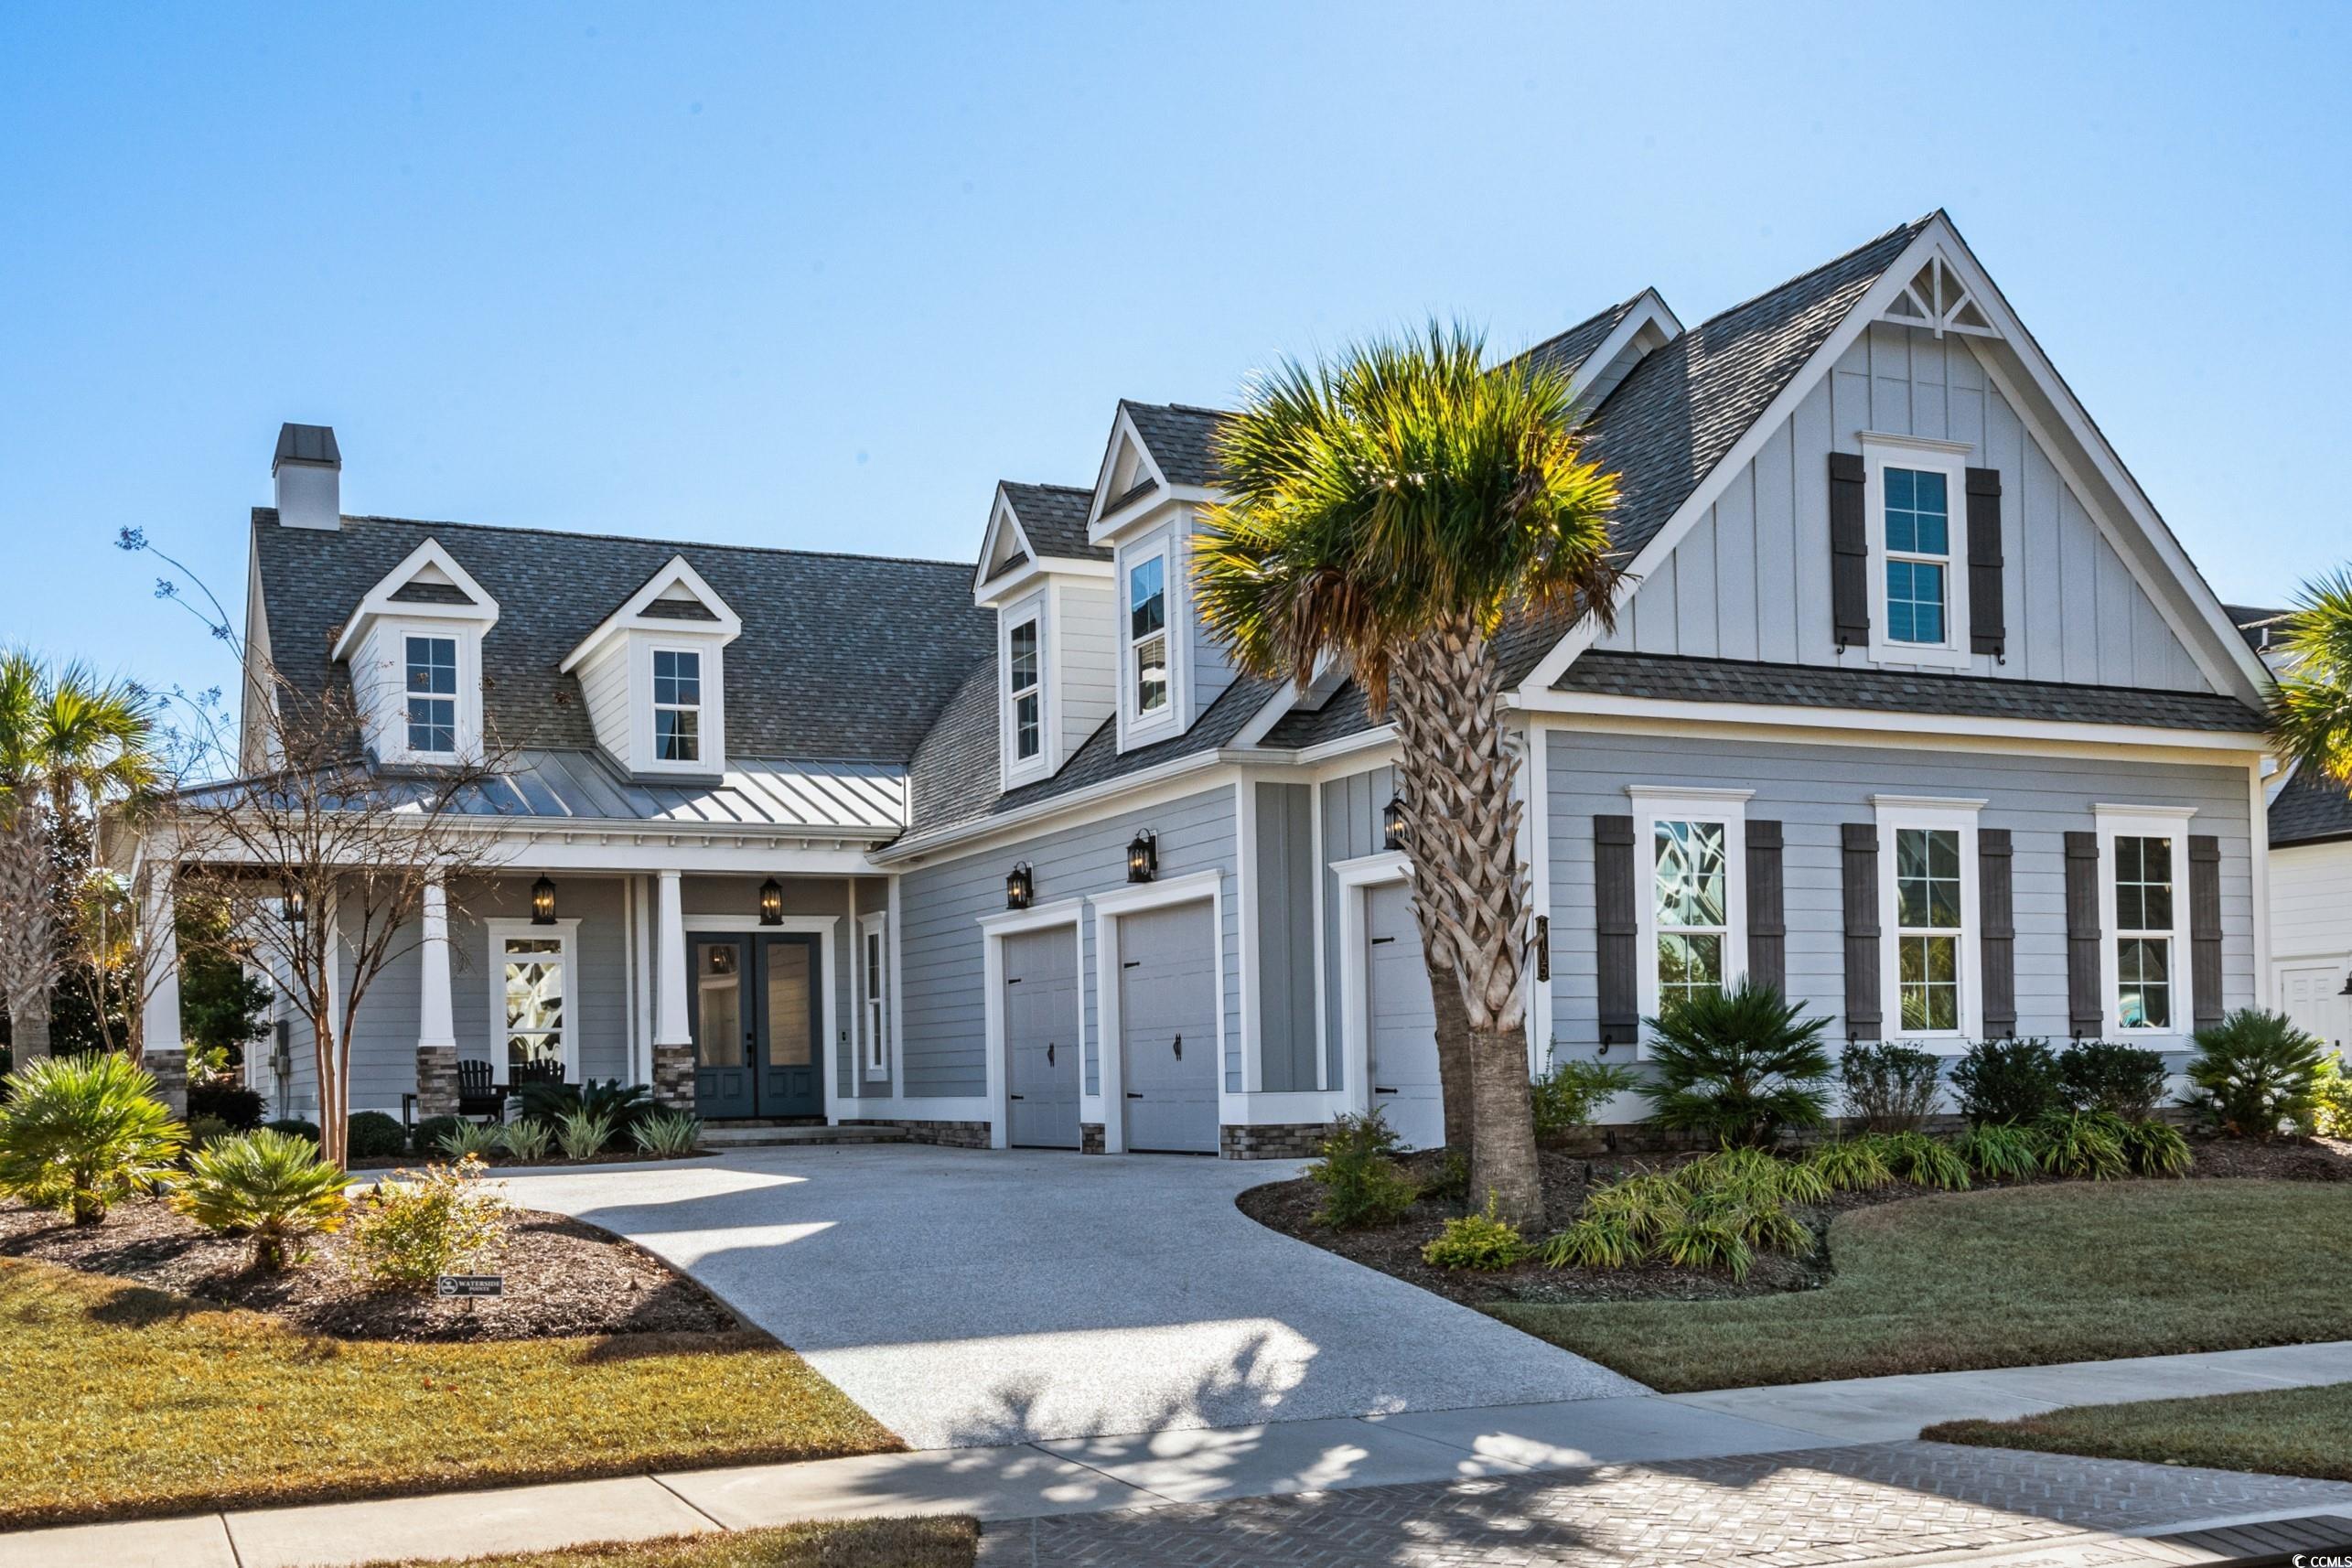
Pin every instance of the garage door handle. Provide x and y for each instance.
(1377, 1089)
(1132, 1095)
(1378, 941)
(1049, 1053)
(1015, 1097)
(1179, 1047)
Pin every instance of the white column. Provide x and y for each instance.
(435, 1024)
(670, 1025)
(160, 1029)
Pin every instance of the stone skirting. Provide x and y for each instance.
(1272, 1141)
(945, 1135)
(436, 1081)
(170, 1071)
(1090, 1137)
(673, 1077)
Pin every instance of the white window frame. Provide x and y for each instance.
(870, 981)
(564, 931)
(699, 708)
(1896, 813)
(2144, 822)
(385, 695)
(712, 724)
(1137, 720)
(1655, 804)
(455, 697)
(1018, 770)
(1948, 458)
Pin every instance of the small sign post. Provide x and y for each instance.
(468, 1287)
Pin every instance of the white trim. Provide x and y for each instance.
(1099, 525)
(1249, 894)
(1649, 310)
(1001, 515)
(481, 615)
(1535, 774)
(1942, 726)
(993, 929)
(822, 928)
(2259, 838)
(381, 691)
(1949, 460)
(701, 708)
(1935, 812)
(1356, 877)
(1137, 727)
(1034, 610)
(897, 998)
(1655, 803)
(710, 725)
(631, 616)
(500, 930)
(873, 1012)
(1322, 1023)
(2170, 823)
(1108, 907)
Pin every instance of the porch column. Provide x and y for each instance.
(673, 1038)
(437, 1031)
(163, 1052)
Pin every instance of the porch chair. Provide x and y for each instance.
(536, 1072)
(476, 1095)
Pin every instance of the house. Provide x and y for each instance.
(1913, 704)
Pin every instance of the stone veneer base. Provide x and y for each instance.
(945, 1135)
(673, 1077)
(436, 1081)
(1090, 1137)
(170, 1071)
(1273, 1141)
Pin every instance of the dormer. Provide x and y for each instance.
(413, 650)
(654, 676)
(1050, 588)
(1647, 326)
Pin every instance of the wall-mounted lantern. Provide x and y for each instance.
(1020, 887)
(2347, 987)
(543, 902)
(771, 903)
(1392, 824)
(1143, 857)
(293, 906)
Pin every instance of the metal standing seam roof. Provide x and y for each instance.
(757, 792)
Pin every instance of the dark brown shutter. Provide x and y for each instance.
(1767, 926)
(1849, 551)
(1616, 931)
(1862, 930)
(1996, 910)
(2086, 1012)
(2205, 928)
(1987, 625)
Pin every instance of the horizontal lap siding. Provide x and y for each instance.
(599, 991)
(944, 1043)
(1813, 789)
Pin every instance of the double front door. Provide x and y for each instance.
(755, 1026)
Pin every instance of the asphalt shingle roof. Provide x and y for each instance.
(2256, 624)
(1054, 517)
(2311, 808)
(1180, 437)
(1567, 351)
(821, 673)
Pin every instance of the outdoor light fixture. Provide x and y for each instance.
(2347, 987)
(1020, 887)
(771, 903)
(1392, 824)
(543, 902)
(292, 904)
(1143, 857)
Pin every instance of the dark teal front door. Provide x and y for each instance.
(755, 1026)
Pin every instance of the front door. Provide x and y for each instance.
(755, 1024)
(1041, 1038)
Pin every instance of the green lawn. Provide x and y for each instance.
(124, 1401)
(854, 1543)
(2020, 1277)
(2282, 1432)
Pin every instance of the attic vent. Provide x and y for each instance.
(1937, 300)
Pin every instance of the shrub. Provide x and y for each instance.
(231, 1102)
(2008, 1081)
(1889, 1088)
(1567, 1097)
(1593, 1241)
(1644, 1205)
(2083, 1143)
(527, 1141)
(2331, 1108)
(269, 1186)
(2123, 1080)
(1477, 1241)
(1700, 1240)
(295, 1127)
(669, 1134)
(1452, 1178)
(372, 1135)
(82, 1132)
(470, 1140)
(1852, 1165)
(2255, 1073)
(1924, 1161)
(2152, 1148)
(426, 1137)
(420, 1225)
(2001, 1151)
(1738, 1066)
(1717, 1211)
(1753, 1174)
(620, 1107)
(1363, 1183)
(582, 1133)
(205, 1131)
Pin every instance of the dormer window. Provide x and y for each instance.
(1147, 633)
(433, 695)
(677, 704)
(1023, 688)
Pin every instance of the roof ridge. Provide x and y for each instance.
(1911, 228)
(1047, 485)
(260, 511)
(1617, 311)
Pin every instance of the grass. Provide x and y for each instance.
(2018, 1277)
(124, 1401)
(2279, 1432)
(851, 1544)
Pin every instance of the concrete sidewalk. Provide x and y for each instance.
(1183, 1466)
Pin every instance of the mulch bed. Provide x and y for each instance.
(1290, 1207)
(550, 1161)
(564, 1278)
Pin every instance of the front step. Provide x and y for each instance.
(729, 1135)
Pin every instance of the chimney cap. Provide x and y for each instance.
(307, 444)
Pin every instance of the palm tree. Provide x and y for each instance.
(2311, 705)
(1388, 508)
(68, 746)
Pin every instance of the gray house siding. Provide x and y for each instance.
(940, 956)
(825, 895)
(599, 999)
(1751, 580)
(1812, 789)
(1285, 934)
(1351, 829)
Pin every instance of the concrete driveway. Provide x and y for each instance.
(970, 1298)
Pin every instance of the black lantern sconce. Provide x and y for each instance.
(2347, 987)
(294, 905)
(1020, 887)
(543, 902)
(1143, 857)
(771, 903)
(1392, 824)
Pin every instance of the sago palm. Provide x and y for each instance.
(2311, 706)
(81, 1134)
(270, 1186)
(1388, 508)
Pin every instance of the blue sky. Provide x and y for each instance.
(819, 276)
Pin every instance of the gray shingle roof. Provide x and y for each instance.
(1567, 351)
(1054, 517)
(820, 672)
(2256, 624)
(1180, 437)
(2312, 809)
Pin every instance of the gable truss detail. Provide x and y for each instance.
(1937, 300)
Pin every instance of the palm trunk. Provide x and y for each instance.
(1453, 1057)
(29, 932)
(1504, 1165)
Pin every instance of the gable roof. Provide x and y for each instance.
(2310, 808)
(1565, 351)
(819, 674)
(1180, 438)
(2257, 625)
(1054, 519)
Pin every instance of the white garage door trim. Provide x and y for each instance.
(1108, 907)
(1356, 878)
(993, 929)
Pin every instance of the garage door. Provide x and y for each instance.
(2311, 993)
(1041, 1041)
(1167, 1028)
(1401, 1024)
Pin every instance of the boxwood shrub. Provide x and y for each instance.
(376, 1136)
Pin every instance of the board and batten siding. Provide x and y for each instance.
(1751, 580)
(1351, 829)
(1813, 789)
(944, 1039)
(1286, 933)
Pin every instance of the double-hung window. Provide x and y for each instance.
(1147, 633)
(1690, 849)
(1919, 554)
(1918, 586)
(2143, 866)
(677, 705)
(873, 990)
(1928, 918)
(432, 671)
(1023, 687)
